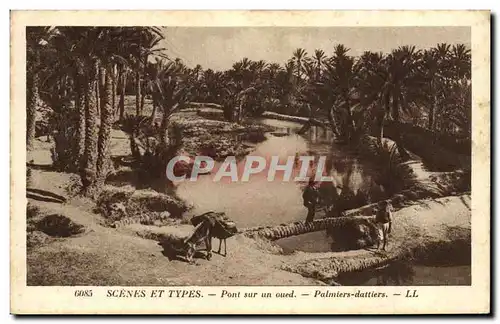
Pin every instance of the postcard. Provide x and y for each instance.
(250, 162)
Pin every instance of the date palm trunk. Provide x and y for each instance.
(398, 139)
(32, 101)
(164, 138)
(153, 113)
(333, 122)
(80, 107)
(123, 85)
(103, 144)
(240, 112)
(63, 86)
(297, 228)
(143, 99)
(432, 112)
(114, 81)
(97, 93)
(382, 116)
(89, 172)
(164, 152)
(138, 89)
(351, 128)
(380, 122)
(143, 94)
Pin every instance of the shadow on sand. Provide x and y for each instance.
(43, 195)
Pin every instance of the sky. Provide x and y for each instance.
(219, 47)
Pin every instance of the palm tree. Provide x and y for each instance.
(101, 54)
(299, 56)
(36, 39)
(341, 74)
(371, 85)
(285, 80)
(152, 38)
(433, 70)
(243, 73)
(460, 60)
(302, 65)
(108, 56)
(106, 117)
(273, 70)
(258, 66)
(68, 43)
(123, 72)
(89, 172)
(73, 60)
(197, 70)
(196, 74)
(270, 76)
(245, 63)
(457, 92)
(172, 92)
(152, 74)
(114, 81)
(319, 58)
(310, 71)
(147, 38)
(138, 86)
(401, 88)
(235, 100)
(210, 87)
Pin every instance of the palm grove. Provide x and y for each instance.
(84, 74)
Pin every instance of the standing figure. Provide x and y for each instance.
(383, 219)
(310, 197)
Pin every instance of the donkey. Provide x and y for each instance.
(222, 227)
(187, 245)
(202, 233)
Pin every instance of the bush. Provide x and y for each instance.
(354, 234)
(137, 203)
(440, 152)
(65, 151)
(37, 238)
(32, 211)
(59, 226)
(393, 173)
(253, 136)
(149, 155)
(43, 120)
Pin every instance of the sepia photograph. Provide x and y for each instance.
(279, 156)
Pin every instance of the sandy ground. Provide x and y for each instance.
(105, 256)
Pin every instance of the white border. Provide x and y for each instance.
(354, 4)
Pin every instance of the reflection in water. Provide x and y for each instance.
(395, 274)
(308, 242)
(407, 274)
(260, 202)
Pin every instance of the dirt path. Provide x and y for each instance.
(105, 256)
(430, 227)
